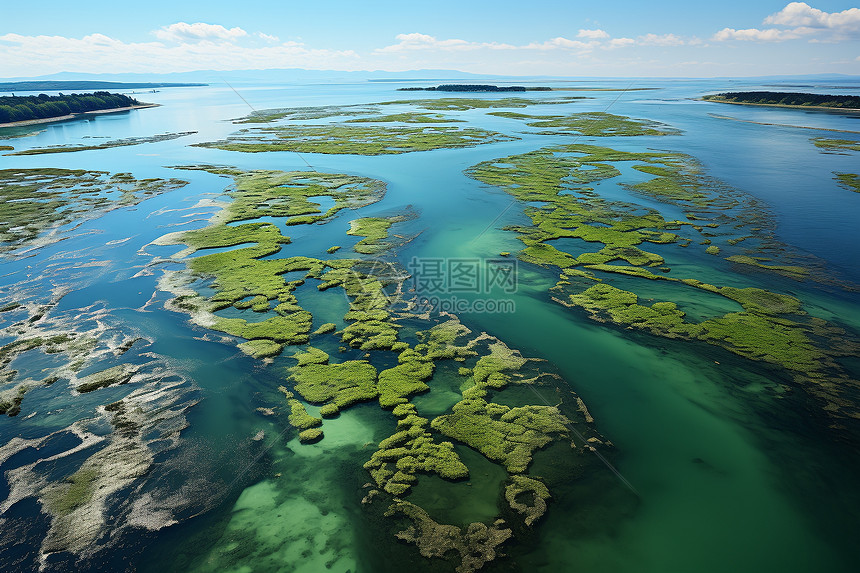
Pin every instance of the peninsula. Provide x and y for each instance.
(788, 99)
(23, 110)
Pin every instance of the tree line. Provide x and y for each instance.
(788, 98)
(43, 106)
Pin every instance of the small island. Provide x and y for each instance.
(788, 99)
(23, 110)
(476, 88)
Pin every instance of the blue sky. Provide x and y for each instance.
(611, 38)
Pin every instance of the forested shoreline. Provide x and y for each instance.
(787, 98)
(43, 106)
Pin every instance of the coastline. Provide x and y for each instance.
(782, 105)
(75, 115)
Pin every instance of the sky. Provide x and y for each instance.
(658, 38)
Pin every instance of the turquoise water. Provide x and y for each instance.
(731, 469)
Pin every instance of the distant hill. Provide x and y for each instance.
(56, 86)
(476, 88)
(787, 99)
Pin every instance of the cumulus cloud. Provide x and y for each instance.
(661, 40)
(199, 31)
(621, 42)
(798, 20)
(802, 14)
(592, 34)
(754, 34)
(97, 53)
(416, 42)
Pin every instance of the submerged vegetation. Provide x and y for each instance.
(33, 201)
(249, 278)
(772, 328)
(348, 139)
(69, 148)
(594, 124)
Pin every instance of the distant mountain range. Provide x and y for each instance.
(142, 80)
(56, 86)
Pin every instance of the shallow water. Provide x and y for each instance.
(732, 469)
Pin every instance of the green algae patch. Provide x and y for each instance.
(527, 496)
(291, 194)
(411, 449)
(326, 328)
(71, 148)
(466, 103)
(475, 545)
(261, 348)
(310, 436)
(506, 435)
(791, 271)
(850, 181)
(592, 124)
(333, 249)
(241, 278)
(355, 140)
(33, 201)
(773, 328)
(119, 374)
(337, 386)
(408, 117)
(307, 113)
(374, 230)
(836, 145)
(399, 382)
(6, 148)
(77, 491)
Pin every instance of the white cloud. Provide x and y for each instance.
(29, 56)
(621, 42)
(592, 34)
(661, 40)
(416, 42)
(798, 20)
(268, 38)
(185, 32)
(802, 14)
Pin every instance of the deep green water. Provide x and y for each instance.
(729, 471)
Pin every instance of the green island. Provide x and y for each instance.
(768, 327)
(343, 139)
(44, 107)
(476, 88)
(370, 359)
(70, 148)
(787, 99)
(37, 200)
(595, 124)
